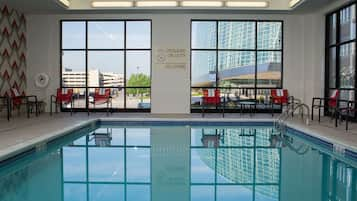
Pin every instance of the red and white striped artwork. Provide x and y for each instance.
(12, 51)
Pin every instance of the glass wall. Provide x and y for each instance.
(240, 58)
(341, 52)
(113, 54)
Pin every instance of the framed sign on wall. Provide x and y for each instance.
(171, 57)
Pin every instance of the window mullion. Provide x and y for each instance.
(355, 91)
(337, 62)
(124, 84)
(327, 56)
(61, 57)
(86, 65)
(217, 54)
(256, 60)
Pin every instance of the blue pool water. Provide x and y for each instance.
(118, 162)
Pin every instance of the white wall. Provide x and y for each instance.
(303, 54)
(313, 52)
(170, 87)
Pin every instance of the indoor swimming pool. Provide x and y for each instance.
(112, 161)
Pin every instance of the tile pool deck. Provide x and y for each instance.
(21, 133)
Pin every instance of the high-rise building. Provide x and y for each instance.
(241, 35)
(237, 66)
(238, 165)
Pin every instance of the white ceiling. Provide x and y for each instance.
(83, 6)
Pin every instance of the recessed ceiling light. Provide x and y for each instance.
(156, 3)
(112, 4)
(247, 4)
(64, 3)
(293, 3)
(202, 3)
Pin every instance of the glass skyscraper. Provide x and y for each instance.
(241, 35)
(259, 163)
(234, 49)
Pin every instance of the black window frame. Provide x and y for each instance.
(256, 50)
(254, 148)
(337, 45)
(124, 50)
(125, 183)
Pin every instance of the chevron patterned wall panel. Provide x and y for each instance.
(12, 51)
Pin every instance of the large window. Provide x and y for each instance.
(240, 58)
(341, 52)
(108, 164)
(113, 54)
(224, 166)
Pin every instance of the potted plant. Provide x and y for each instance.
(261, 99)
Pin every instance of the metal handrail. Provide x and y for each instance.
(302, 106)
(280, 124)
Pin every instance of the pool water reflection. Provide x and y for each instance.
(180, 163)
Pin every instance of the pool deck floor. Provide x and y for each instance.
(20, 133)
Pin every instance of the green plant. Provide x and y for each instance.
(261, 99)
(141, 80)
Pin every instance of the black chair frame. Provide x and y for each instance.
(54, 101)
(6, 101)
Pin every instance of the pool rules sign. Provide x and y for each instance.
(171, 58)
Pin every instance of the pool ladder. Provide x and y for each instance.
(280, 122)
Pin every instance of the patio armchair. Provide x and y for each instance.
(330, 103)
(346, 112)
(5, 102)
(17, 100)
(63, 96)
(211, 97)
(102, 137)
(280, 97)
(102, 96)
(213, 139)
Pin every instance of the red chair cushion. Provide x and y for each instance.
(332, 102)
(278, 97)
(100, 98)
(209, 99)
(15, 95)
(64, 97)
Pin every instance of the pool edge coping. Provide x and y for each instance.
(14, 150)
(316, 134)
